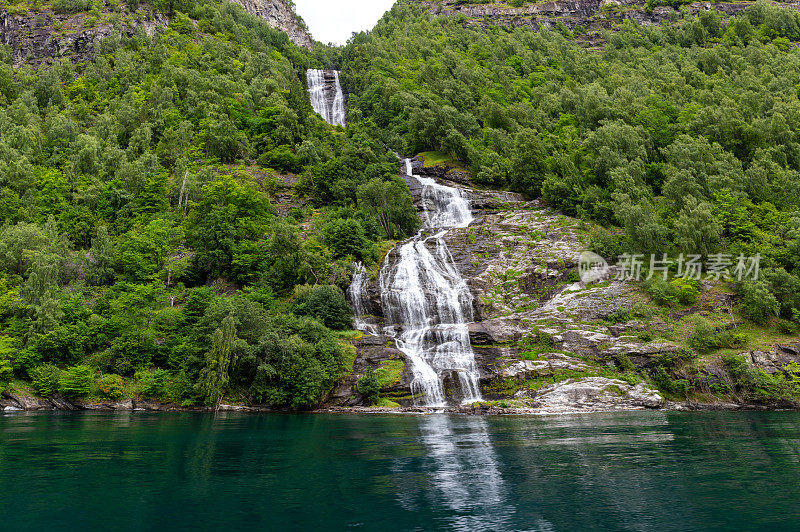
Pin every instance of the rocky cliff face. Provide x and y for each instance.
(279, 14)
(587, 14)
(40, 36)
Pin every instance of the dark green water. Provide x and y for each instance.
(633, 471)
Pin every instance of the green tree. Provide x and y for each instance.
(391, 204)
(214, 377)
(76, 381)
(325, 303)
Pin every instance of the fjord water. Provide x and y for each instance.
(631, 471)
(427, 305)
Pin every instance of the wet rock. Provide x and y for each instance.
(548, 365)
(24, 402)
(60, 402)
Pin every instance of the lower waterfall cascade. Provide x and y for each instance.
(427, 305)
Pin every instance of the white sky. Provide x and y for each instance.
(335, 20)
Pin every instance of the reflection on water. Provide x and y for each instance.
(462, 476)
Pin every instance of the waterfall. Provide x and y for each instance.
(327, 97)
(426, 303)
(362, 321)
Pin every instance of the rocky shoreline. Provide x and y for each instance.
(10, 403)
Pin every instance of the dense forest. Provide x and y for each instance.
(685, 136)
(142, 246)
(138, 236)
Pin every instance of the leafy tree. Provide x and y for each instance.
(111, 386)
(391, 204)
(325, 303)
(758, 303)
(214, 378)
(46, 379)
(369, 386)
(345, 237)
(76, 381)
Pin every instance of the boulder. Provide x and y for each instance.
(596, 393)
(25, 402)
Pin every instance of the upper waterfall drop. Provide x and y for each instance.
(427, 305)
(327, 96)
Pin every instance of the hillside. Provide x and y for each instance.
(40, 32)
(179, 226)
(586, 18)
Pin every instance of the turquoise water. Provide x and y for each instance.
(632, 471)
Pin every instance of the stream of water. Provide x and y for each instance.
(427, 305)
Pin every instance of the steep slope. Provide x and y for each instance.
(279, 14)
(581, 15)
(39, 32)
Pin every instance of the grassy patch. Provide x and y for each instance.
(384, 402)
(432, 159)
(389, 372)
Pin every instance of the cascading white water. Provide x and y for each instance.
(426, 304)
(362, 321)
(329, 106)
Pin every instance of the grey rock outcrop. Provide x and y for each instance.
(596, 393)
(592, 15)
(41, 36)
(775, 361)
(280, 15)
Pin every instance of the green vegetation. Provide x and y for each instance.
(374, 380)
(144, 241)
(139, 241)
(683, 135)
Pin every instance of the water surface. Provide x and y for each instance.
(632, 471)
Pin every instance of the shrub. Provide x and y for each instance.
(46, 379)
(325, 303)
(621, 315)
(153, 382)
(281, 158)
(687, 291)
(668, 384)
(71, 6)
(706, 337)
(788, 327)
(661, 291)
(756, 383)
(679, 290)
(6, 372)
(345, 237)
(111, 386)
(625, 363)
(76, 381)
(758, 303)
(369, 386)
